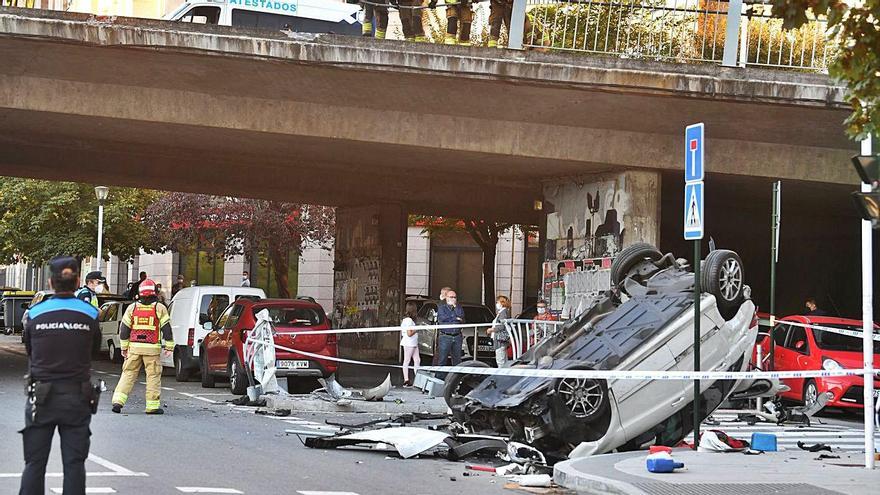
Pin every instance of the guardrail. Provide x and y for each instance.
(524, 334)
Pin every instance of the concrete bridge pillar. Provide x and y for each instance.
(369, 277)
(597, 215)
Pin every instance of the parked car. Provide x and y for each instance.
(645, 323)
(109, 317)
(473, 313)
(797, 348)
(190, 309)
(222, 350)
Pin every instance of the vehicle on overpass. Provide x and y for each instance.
(798, 348)
(300, 16)
(222, 353)
(190, 309)
(645, 323)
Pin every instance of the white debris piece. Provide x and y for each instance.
(407, 440)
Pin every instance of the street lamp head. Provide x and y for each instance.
(101, 192)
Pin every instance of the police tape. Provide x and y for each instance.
(594, 374)
(841, 331)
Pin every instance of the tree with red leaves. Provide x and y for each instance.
(235, 226)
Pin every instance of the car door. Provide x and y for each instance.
(215, 341)
(427, 315)
(228, 331)
(210, 306)
(110, 324)
(795, 355)
(784, 359)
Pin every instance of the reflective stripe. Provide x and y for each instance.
(120, 398)
(152, 405)
(123, 344)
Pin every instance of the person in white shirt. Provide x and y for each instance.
(409, 340)
(245, 279)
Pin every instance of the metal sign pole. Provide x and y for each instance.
(774, 254)
(868, 324)
(697, 293)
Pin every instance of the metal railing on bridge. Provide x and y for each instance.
(725, 32)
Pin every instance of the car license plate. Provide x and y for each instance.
(293, 364)
(485, 348)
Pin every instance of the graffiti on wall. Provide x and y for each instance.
(590, 218)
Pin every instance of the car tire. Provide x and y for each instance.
(113, 353)
(238, 382)
(208, 380)
(458, 385)
(723, 277)
(181, 374)
(810, 392)
(582, 399)
(301, 385)
(629, 258)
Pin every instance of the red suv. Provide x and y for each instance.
(798, 348)
(222, 351)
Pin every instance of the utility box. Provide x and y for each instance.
(13, 310)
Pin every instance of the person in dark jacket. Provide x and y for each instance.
(449, 340)
(813, 309)
(59, 337)
(500, 337)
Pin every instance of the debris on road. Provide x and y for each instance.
(408, 441)
(336, 392)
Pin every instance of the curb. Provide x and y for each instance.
(304, 403)
(567, 475)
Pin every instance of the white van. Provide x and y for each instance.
(301, 16)
(191, 308)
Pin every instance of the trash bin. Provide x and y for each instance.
(13, 310)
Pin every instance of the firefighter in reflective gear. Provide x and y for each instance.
(458, 22)
(143, 327)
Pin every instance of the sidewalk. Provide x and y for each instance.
(780, 473)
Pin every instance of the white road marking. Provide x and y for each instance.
(201, 489)
(88, 490)
(307, 492)
(114, 470)
(193, 396)
(215, 394)
(167, 388)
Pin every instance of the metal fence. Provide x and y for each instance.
(673, 30)
(524, 334)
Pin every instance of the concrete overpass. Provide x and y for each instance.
(384, 128)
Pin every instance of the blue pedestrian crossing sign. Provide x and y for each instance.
(693, 211)
(693, 154)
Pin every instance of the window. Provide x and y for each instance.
(202, 15)
(212, 307)
(264, 20)
(428, 312)
(796, 335)
(837, 342)
(234, 315)
(112, 312)
(203, 265)
(780, 332)
(294, 317)
(477, 314)
(102, 313)
(262, 274)
(220, 322)
(457, 262)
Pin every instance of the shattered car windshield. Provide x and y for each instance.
(836, 342)
(293, 317)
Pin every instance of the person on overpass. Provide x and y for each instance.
(458, 22)
(89, 292)
(375, 10)
(411, 20)
(813, 309)
(145, 324)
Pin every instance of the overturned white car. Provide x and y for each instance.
(645, 323)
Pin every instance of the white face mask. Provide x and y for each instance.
(542, 311)
(498, 307)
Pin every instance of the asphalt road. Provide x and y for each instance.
(202, 442)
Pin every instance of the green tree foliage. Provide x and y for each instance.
(42, 219)
(855, 26)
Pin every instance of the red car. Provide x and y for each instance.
(222, 352)
(799, 348)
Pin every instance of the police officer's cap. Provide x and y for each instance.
(96, 276)
(60, 263)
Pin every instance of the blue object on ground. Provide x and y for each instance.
(764, 441)
(663, 465)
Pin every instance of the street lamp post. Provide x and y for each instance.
(101, 193)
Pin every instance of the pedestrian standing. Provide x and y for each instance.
(59, 337)
(813, 309)
(409, 341)
(498, 332)
(89, 292)
(449, 340)
(177, 286)
(245, 279)
(160, 296)
(133, 287)
(143, 327)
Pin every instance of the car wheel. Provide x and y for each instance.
(181, 373)
(238, 381)
(582, 399)
(301, 385)
(811, 393)
(723, 277)
(458, 385)
(207, 377)
(114, 353)
(629, 259)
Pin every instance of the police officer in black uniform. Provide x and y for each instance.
(59, 336)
